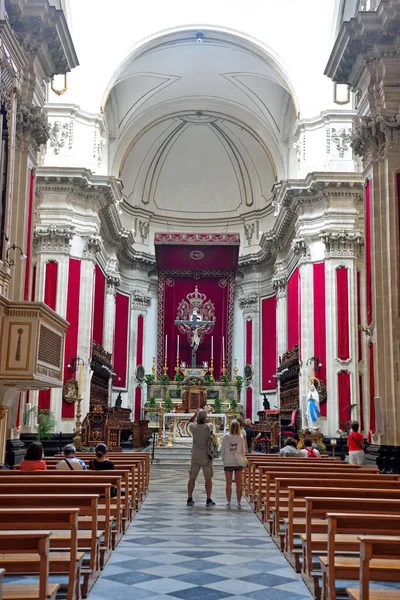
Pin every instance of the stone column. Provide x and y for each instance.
(280, 287)
(139, 306)
(250, 306)
(113, 282)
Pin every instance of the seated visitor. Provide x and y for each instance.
(290, 448)
(308, 451)
(33, 460)
(70, 462)
(101, 462)
(355, 442)
(250, 433)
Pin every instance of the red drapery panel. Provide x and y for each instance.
(138, 403)
(249, 360)
(361, 394)
(268, 343)
(121, 338)
(28, 250)
(344, 395)
(372, 423)
(44, 399)
(359, 339)
(368, 257)
(33, 288)
(99, 303)
(293, 308)
(72, 316)
(172, 289)
(50, 284)
(342, 299)
(320, 323)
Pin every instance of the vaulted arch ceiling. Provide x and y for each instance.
(199, 121)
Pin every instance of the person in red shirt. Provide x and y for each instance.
(355, 443)
(33, 460)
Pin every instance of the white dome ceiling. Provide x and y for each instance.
(199, 127)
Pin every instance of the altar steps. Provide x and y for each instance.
(175, 457)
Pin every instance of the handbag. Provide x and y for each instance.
(241, 459)
(213, 449)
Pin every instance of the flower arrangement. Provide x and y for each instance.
(165, 380)
(149, 379)
(179, 376)
(224, 379)
(151, 402)
(168, 405)
(217, 405)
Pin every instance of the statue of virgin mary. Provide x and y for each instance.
(313, 413)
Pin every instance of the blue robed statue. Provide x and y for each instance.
(313, 412)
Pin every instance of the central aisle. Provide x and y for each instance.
(172, 551)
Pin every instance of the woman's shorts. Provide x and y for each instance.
(233, 469)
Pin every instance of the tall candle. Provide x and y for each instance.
(166, 346)
(177, 347)
(223, 348)
(212, 346)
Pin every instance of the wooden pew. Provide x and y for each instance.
(34, 543)
(372, 548)
(319, 507)
(87, 541)
(343, 537)
(65, 563)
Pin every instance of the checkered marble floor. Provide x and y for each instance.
(175, 552)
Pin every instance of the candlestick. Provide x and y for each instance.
(223, 348)
(153, 368)
(235, 370)
(212, 367)
(212, 347)
(165, 367)
(223, 370)
(177, 369)
(166, 346)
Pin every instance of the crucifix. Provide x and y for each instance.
(194, 323)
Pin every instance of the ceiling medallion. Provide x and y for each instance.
(196, 255)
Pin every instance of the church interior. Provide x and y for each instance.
(199, 210)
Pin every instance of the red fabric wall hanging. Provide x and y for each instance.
(71, 339)
(361, 395)
(50, 284)
(344, 396)
(249, 361)
(28, 250)
(173, 287)
(99, 304)
(320, 323)
(268, 343)
(293, 309)
(121, 339)
(359, 338)
(44, 399)
(342, 300)
(368, 248)
(372, 422)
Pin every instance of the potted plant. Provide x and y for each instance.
(233, 405)
(151, 403)
(45, 419)
(218, 405)
(239, 383)
(165, 380)
(168, 405)
(149, 379)
(224, 379)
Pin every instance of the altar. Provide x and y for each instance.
(175, 426)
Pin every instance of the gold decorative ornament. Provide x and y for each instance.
(63, 90)
(70, 390)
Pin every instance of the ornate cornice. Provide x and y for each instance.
(342, 244)
(376, 136)
(300, 248)
(52, 239)
(140, 301)
(249, 304)
(279, 283)
(32, 128)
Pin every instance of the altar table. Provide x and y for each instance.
(178, 425)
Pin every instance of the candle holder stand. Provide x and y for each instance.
(160, 426)
(212, 367)
(223, 370)
(165, 367)
(235, 371)
(153, 368)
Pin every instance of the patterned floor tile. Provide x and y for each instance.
(165, 585)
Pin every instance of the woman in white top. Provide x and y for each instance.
(233, 445)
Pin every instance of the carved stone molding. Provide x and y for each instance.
(93, 245)
(58, 134)
(144, 229)
(32, 128)
(341, 138)
(140, 301)
(52, 238)
(113, 282)
(249, 230)
(279, 284)
(342, 244)
(300, 248)
(249, 304)
(375, 136)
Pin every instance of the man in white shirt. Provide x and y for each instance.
(200, 460)
(70, 462)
